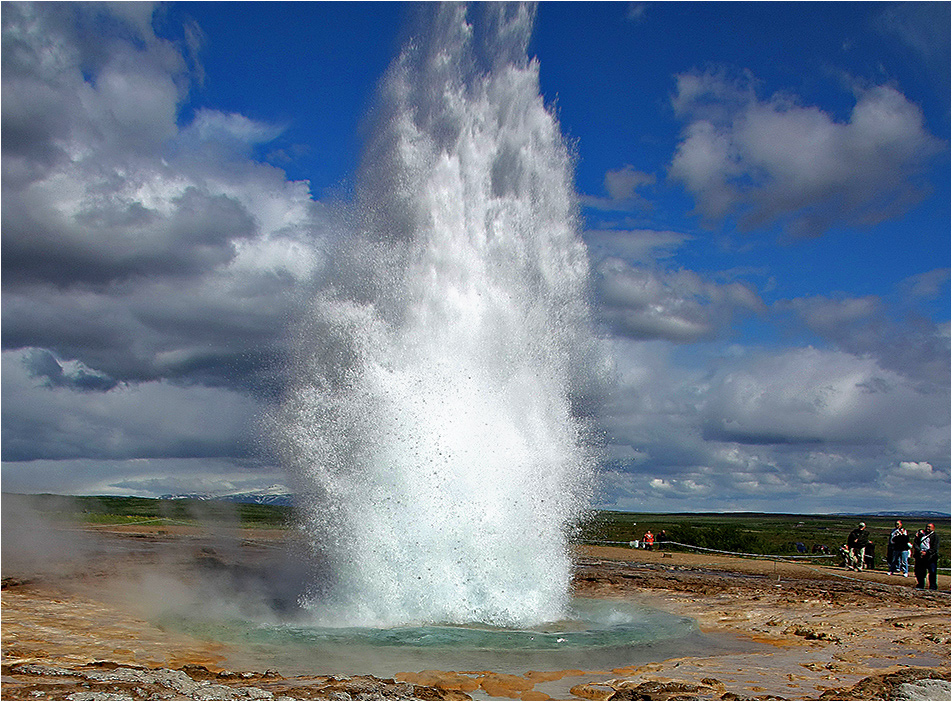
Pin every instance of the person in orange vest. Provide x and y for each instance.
(649, 539)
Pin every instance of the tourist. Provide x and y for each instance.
(898, 555)
(890, 557)
(846, 556)
(857, 542)
(926, 553)
(913, 545)
(649, 540)
(662, 538)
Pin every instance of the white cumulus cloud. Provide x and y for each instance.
(916, 469)
(775, 160)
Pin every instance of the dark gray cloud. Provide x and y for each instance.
(214, 330)
(926, 286)
(115, 238)
(42, 364)
(811, 396)
(901, 341)
(634, 245)
(145, 420)
(647, 302)
(83, 76)
(739, 428)
(141, 250)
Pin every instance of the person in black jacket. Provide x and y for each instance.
(926, 552)
(857, 542)
(899, 551)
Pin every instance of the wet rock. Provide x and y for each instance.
(37, 669)
(926, 690)
(811, 633)
(8, 582)
(198, 672)
(104, 680)
(111, 681)
(367, 687)
(892, 686)
(652, 690)
(635, 690)
(593, 691)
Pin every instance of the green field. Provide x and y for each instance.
(751, 533)
(130, 510)
(756, 533)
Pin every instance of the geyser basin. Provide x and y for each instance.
(598, 635)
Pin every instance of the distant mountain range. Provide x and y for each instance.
(274, 495)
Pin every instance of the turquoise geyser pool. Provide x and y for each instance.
(600, 635)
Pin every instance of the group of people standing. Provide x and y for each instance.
(924, 546)
(648, 540)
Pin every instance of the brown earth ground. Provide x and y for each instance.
(808, 632)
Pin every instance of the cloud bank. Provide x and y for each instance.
(150, 263)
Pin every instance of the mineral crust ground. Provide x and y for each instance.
(75, 630)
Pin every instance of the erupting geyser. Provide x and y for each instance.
(436, 430)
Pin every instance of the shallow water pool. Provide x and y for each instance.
(599, 635)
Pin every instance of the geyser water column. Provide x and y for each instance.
(434, 429)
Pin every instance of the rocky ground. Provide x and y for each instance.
(808, 632)
(828, 633)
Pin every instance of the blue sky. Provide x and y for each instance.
(765, 197)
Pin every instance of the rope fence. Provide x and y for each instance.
(665, 544)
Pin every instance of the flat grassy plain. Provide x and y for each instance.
(138, 510)
(758, 533)
(737, 532)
